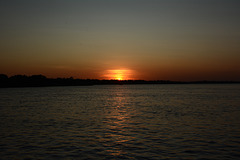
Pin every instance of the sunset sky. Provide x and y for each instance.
(121, 39)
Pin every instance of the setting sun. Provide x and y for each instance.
(118, 74)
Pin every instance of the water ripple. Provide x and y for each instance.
(121, 122)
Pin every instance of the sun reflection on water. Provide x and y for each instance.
(118, 123)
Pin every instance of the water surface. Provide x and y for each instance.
(121, 122)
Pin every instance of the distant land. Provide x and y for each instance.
(43, 81)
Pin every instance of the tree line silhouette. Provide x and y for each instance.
(42, 81)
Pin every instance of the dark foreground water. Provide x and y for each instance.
(121, 122)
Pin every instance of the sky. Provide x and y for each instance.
(182, 40)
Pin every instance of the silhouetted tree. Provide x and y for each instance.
(38, 77)
(3, 77)
(40, 80)
(3, 80)
(19, 77)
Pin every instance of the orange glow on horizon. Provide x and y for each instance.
(118, 74)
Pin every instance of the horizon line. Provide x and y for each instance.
(2, 76)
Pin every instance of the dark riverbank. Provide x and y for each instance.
(42, 81)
